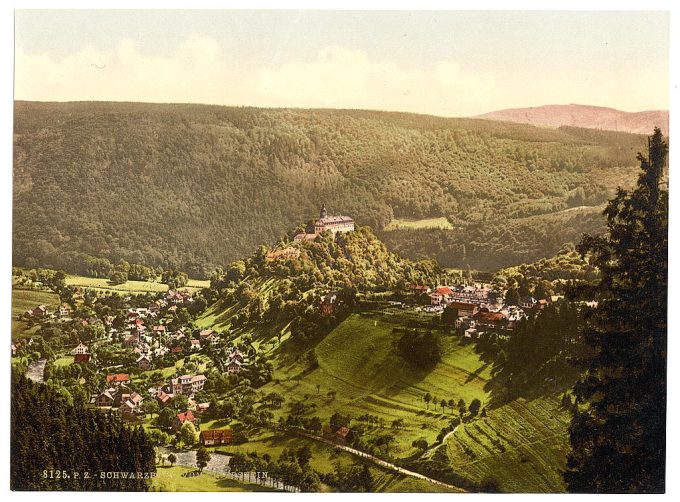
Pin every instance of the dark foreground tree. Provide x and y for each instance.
(618, 433)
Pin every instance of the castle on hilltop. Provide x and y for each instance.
(333, 224)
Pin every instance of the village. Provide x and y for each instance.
(146, 359)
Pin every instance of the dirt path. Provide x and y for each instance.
(430, 452)
(381, 462)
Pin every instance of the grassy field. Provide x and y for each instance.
(24, 299)
(358, 362)
(169, 479)
(521, 443)
(400, 224)
(129, 287)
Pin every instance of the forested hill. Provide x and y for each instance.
(193, 186)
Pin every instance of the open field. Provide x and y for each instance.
(522, 444)
(358, 362)
(399, 224)
(129, 287)
(169, 479)
(24, 299)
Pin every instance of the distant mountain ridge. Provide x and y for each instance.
(591, 117)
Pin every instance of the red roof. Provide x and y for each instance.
(490, 316)
(444, 291)
(118, 377)
(342, 432)
(462, 305)
(187, 415)
(223, 434)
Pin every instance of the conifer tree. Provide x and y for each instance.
(618, 432)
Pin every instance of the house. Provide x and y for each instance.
(40, 311)
(131, 404)
(187, 384)
(108, 397)
(465, 309)
(287, 253)
(216, 437)
(177, 350)
(305, 237)
(117, 378)
(195, 344)
(202, 407)
(144, 362)
(418, 289)
(159, 330)
(329, 304)
(234, 366)
(236, 361)
(64, 311)
(542, 303)
(80, 349)
(181, 418)
(172, 309)
(208, 336)
(491, 320)
(342, 434)
(163, 398)
(471, 333)
(527, 302)
(441, 295)
(82, 358)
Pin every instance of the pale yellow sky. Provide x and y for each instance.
(443, 63)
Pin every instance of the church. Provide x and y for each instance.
(333, 224)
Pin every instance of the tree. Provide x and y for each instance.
(475, 404)
(303, 455)
(188, 434)
(442, 403)
(202, 457)
(165, 418)
(461, 406)
(512, 297)
(421, 444)
(618, 431)
(172, 459)
(150, 406)
(427, 398)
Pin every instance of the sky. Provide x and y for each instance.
(455, 63)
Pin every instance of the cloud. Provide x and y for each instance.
(198, 71)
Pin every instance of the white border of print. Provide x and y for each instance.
(6, 88)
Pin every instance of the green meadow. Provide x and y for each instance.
(523, 444)
(405, 223)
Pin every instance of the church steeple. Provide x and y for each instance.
(323, 213)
